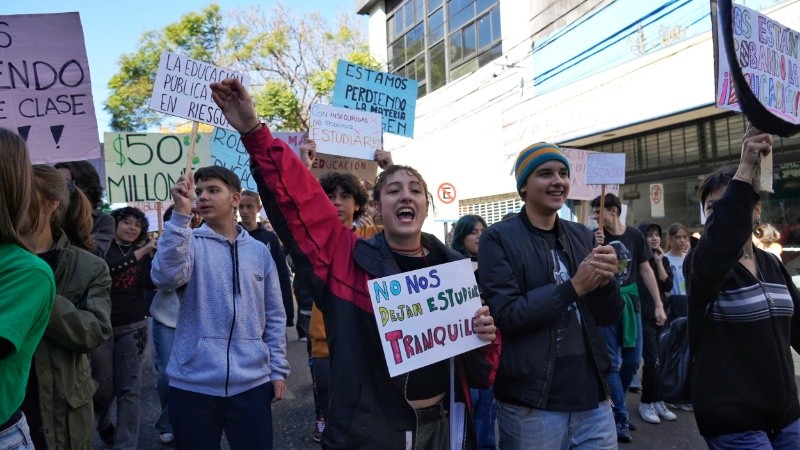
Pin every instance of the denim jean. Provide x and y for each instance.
(117, 368)
(163, 337)
(786, 439)
(17, 436)
(524, 428)
(624, 363)
(485, 411)
(199, 420)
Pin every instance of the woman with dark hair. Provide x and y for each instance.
(744, 317)
(422, 409)
(84, 175)
(58, 401)
(28, 291)
(466, 237)
(677, 240)
(116, 364)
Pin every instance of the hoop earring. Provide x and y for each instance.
(758, 229)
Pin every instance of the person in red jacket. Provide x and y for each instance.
(368, 408)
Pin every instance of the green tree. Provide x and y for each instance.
(291, 60)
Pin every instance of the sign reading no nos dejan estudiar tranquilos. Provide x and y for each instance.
(388, 94)
(425, 315)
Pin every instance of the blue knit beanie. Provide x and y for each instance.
(533, 157)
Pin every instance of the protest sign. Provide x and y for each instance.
(345, 132)
(182, 89)
(228, 151)
(605, 168)
(390, 95)
(578, 189)
(425, 316)
(767, 53)
(45, 87)
(143, 167)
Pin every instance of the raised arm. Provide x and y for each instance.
(173, 262)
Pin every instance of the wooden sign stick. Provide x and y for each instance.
(159, 207)
(193, 139)
(602, 207)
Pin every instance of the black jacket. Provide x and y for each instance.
(516, 275)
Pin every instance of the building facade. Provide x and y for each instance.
(621, 76)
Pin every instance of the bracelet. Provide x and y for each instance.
(251, 129)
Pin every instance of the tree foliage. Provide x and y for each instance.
(291, 60)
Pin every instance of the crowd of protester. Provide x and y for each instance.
(568, 316)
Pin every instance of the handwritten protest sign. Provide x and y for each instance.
(45, 87)
(768, 55)
(345, 132)
(605, 168)
(228, 151)
(390, 95)
(143, 167)
(578, 189)
(182, 89)
(425, 315)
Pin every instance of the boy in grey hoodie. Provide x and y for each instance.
(229, 354)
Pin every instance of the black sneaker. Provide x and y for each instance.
(107, 434)
(623, 432)
(631, 425)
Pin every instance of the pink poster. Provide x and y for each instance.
(45, 87)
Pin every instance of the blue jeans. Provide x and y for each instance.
(485, 411)
(527, 428)
(624, 364)
(786, 439)
(17, 436)
(163, 337)
(198, 420)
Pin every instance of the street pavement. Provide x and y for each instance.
(293, 418)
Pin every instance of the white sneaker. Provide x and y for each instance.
(664, 412)
(166, 438)
(648, 413)
(686, 407)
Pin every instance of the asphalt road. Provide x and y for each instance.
(293, 418)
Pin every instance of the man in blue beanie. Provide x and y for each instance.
(549, 288)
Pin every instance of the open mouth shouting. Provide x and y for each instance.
(406, 215)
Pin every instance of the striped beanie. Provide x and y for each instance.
(534, 156)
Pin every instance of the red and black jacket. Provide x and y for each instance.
(368, 408)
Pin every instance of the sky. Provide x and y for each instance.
(112, 28)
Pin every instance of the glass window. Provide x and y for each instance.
(460, 12)
(409, 13)
(436, 26)
(495, 15)
(490, 55)
(415, 40)
(456, 47)
(419, 67)
(469, 40)
(484, 31)
(397, 53)
(399, 22)
(433, 4)
(483, 5)
(438, 67)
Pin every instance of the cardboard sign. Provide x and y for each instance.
(345, 132)
(143, 167)
(182, 89)
(605, 168)
(45, 87)
(390, 95)
(425, 316)
(768, 56)
(578, 189)
(361, 168)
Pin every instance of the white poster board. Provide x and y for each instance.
(605, 168)
(345, 132)
(578, 189)
(181, 89)
(425, 316)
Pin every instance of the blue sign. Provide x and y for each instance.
(390, 95)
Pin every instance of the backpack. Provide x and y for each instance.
(674, 362)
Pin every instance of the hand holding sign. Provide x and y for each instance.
(308, 152)
(383, 158)
(755, 144)
(484, 324)
(236, 104)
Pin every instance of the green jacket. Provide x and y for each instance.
(79, 323)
